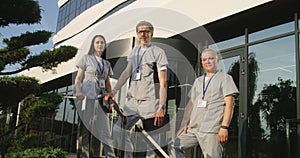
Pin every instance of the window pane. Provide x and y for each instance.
(229, 43)
(272, 99)
(72, 6)
(230, 65)
(88, 3)
(70, 112)
(66, 11)
(273, 31)
(95, 2)
(72, 16)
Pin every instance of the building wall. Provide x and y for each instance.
(243, 32)
(81, 29)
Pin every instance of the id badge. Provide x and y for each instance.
(202, 103)
(83, 102)
(137, 76)
(102, 83)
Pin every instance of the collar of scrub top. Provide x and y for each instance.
(205, 88)
(139, 60)
(101, 69)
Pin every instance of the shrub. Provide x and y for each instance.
(47, 152)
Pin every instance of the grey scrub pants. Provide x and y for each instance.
(96, 122)
(117, 135)
(208, 142)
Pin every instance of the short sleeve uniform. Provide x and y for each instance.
(94, 71)
(95, 120)
(208, 119)
(145, 89)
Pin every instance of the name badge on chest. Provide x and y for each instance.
(137, 76)
(102, 83)
(202, 103)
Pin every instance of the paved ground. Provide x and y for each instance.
(71, 155)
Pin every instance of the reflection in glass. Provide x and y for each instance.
(228, 43)
(273, 31)
(71, 9)
(274, 98)
(231, 66)
(60, 110)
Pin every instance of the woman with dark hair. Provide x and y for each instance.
(93, 81)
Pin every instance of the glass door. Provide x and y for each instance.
(273, 99)
(231, 63)
(266, 79)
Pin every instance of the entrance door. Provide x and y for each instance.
(232, 64)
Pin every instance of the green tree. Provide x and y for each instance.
(19, 12)
(37, 107)
(16, 52)
(278, 103)
(253, 112)
(13, 90)
(254, 126)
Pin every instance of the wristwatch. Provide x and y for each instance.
(162, 106)
(224, 127)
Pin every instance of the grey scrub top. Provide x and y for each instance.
(145, 60)
(208, 119)
(93, 73)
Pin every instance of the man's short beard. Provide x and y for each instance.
(145, 43)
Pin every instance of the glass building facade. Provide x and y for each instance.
(264, 59)
(72, 9)
(268, 106)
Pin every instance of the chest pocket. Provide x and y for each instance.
(150, 72)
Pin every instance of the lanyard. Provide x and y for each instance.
(99, 66)
(205, 88)
(137, 58)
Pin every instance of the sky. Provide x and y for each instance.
(49, 13)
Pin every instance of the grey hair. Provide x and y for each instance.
(210, 50)
(144, 23)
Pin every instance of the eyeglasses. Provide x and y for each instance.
(209, 59)
(143, 31)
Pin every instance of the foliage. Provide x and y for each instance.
(234, 71)
(47, 152)
(15, 51)
(5, 144)
(278, 103)
(32, 109)
(49, 59)
(2, 124)
(27, 39)
(253, 70)
(29, 141)
(44, 105)
(253, 111)
(23, 142)
(14, 89)
(28, 11)
(254, 126)
(13, 57)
